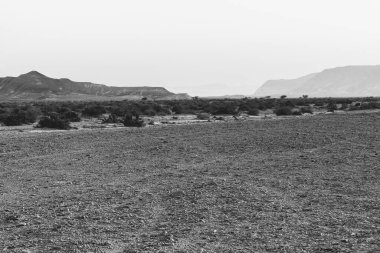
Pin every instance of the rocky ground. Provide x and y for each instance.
(308, 184)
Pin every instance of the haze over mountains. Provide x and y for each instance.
(36, 86)
(349, 81)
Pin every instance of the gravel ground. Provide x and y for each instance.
(307, 184)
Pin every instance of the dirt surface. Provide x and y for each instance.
(307, 184)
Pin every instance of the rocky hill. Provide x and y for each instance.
(350, 81)
(36, 86)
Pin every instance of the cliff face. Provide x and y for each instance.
(34, 85)
(350, 81)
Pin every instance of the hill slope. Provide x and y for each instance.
(34, 85)
(350, 81)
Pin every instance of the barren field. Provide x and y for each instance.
(307, 184)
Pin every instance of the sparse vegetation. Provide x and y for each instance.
(27, 113)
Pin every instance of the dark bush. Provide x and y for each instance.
(133, 121)
(13, 120)
(331, 107)
(253, 112)
(177, 109)
(63, 110)
(344, 106)
(306, 110)
(370, 105)
(53, 121)
(283, 111)
(71, 116)
(149, 112)
(3, 116)
(225, 109)
(289, 103)
(297, 113)
(94, 111)
(18, 117)
(118, 110)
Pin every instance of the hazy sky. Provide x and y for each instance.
(202, 47)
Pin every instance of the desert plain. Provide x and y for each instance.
(308, 184)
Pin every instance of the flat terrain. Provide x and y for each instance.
(289, 185)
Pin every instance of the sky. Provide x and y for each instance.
(200, 47)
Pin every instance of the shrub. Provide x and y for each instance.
(150, 112)
(112, 118)
(13, 120)
(331, 107)
(53, 121)
(297, 113)
(225, 109)
(94, 111)
(3, 116)
(177, 109)
(344, 106)
(118, 110)
(306, 110)
(284, 110)
(133, 121)
(370, 105)
(71, 116)
(19, 117)
(253, 112)
(289, 103)
(30, 116)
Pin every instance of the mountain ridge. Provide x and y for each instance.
(36, 86)
(347, 81)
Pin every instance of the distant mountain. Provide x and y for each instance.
(350, 81)
(225, 97)
(36, 86)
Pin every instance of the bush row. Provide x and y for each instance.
(27, 113)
